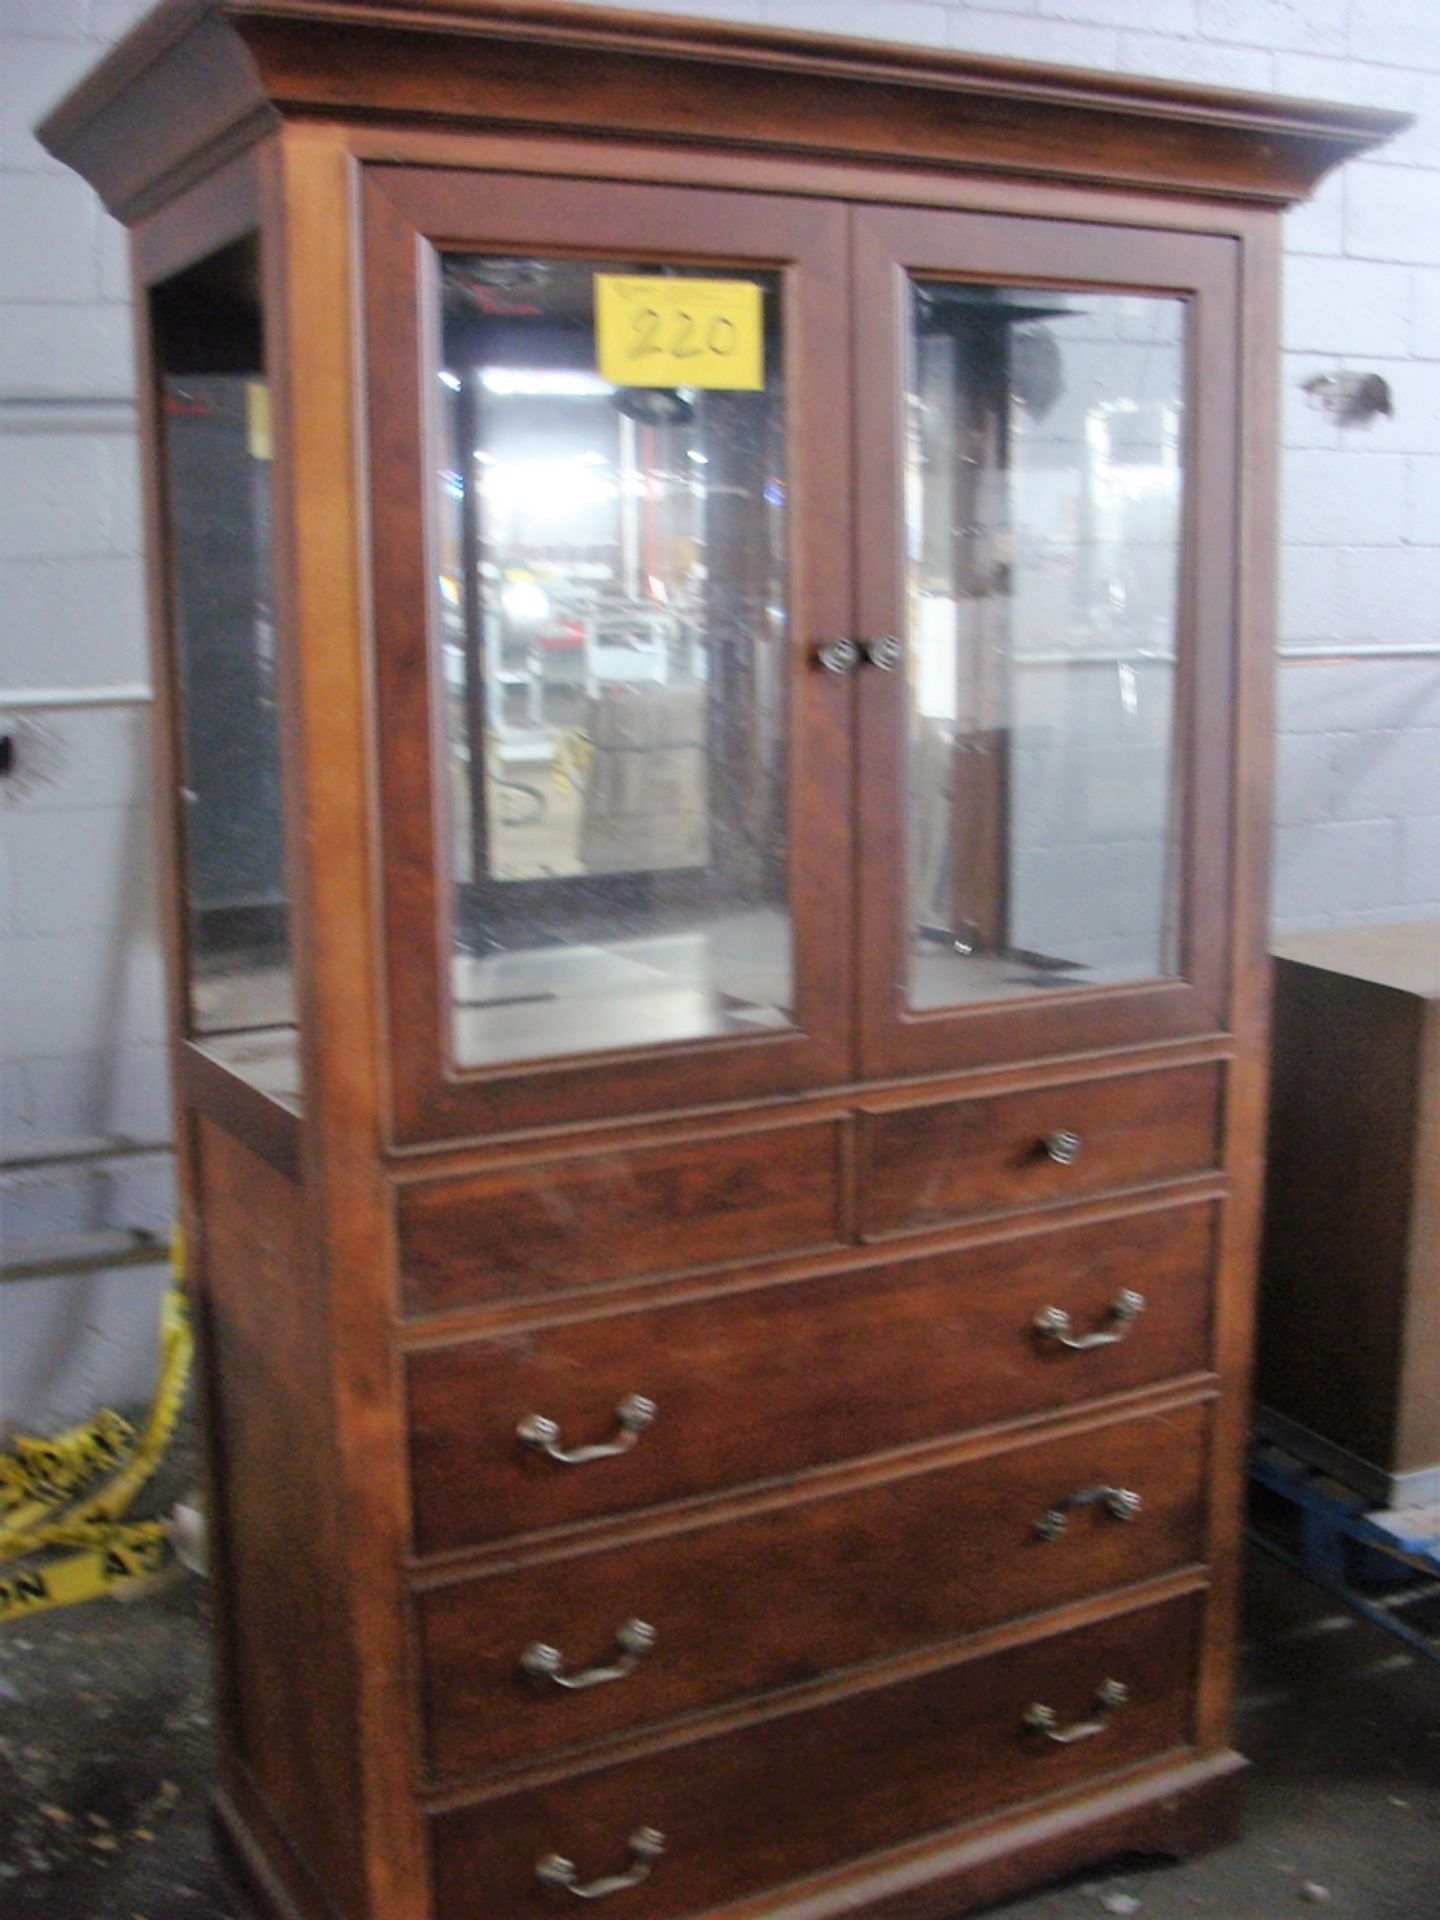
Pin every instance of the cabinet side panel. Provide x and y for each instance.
(288, 1654)
(1341, 1128)
(1247, 943)
(1418, 1441)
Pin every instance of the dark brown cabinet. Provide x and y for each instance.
(711, 593)
(1348, 1359)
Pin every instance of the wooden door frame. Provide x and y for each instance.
(892, 244)
(407, 213)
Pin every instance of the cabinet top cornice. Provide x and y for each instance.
(197, 79)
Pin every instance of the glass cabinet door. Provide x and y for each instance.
(615, 600)
(606, 511)
(1042, 764)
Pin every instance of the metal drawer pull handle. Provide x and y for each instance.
(1125, 1309)
(1119, 1501)
(1111, 1696)
(839, 656)
(1062, 1147)
(885, 651)
(633, 1641)
(646, 1847)
(633, 1415)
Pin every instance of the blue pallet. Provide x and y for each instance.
(1383, 1564)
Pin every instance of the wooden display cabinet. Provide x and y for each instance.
(712, 608)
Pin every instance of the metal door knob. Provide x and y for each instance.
(839, 656)
(1062, 1147)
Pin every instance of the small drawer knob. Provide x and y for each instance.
(841, 656)
(1063, 1147)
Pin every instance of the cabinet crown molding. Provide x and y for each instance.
(197, 80)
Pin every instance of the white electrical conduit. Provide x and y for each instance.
(52, 699)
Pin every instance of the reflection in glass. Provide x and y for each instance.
(215, 446)
(1043, 510)
(613, 618)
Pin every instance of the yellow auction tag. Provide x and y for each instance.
(652, 332)
(258, 433)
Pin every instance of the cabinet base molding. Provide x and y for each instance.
(1175, 1812)
(252, 1847)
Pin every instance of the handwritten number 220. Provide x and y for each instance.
(688, 339)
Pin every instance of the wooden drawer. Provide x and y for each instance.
(559, 1225)
(797, 1793)
(790, 1594)
(921, 1166)
(756, 1384)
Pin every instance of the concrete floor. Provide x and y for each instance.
(105, 1760)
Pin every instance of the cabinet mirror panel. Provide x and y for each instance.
(1044, 480)
(613, 632)
(214, 443)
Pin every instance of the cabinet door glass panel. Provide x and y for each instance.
(216, 455)
(613, 628)
(1043, 508)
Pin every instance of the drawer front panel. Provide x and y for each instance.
(768, 1381)
(922, 1166)
(806, 1791)
(524, 1232)
(787, 1596)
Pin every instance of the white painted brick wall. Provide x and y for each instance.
(51, 350)
(1422, 499)
(1342, 306)
(81, 1028)
(1335, 498)
(81, 621)
(1382, 590)
(1358, 811)
(1389, 213)
(1205, 62)
(1419, 860)
(1338, 865)
(1318, 26)
(67, 496)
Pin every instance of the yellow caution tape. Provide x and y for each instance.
(136, 1556)
(176, 1350)
(40, 1475)
(43, 1479)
